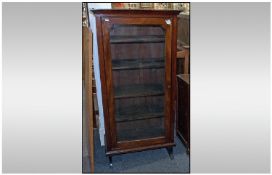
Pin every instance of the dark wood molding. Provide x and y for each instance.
(114, 12)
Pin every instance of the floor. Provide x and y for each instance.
(151, 161)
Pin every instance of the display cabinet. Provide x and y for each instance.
(137, 57)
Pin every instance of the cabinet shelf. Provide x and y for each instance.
(139, 90)
(136, 134)
(131, 64)
(139, 112)
(137, 39)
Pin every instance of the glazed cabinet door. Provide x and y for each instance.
(137, 57)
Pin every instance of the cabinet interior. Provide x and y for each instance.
(138, 76)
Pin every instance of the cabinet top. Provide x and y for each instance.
(133, 12)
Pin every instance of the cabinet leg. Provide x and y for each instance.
(188, 151)
(170, 152)
(110, 161)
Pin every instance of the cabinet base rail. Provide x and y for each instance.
(168, 146)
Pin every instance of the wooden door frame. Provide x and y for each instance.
(106, 23)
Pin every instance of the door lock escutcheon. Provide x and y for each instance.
(168, 21)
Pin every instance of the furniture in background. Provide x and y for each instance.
(183, 109)
(183, 57)
(137, 65)
(87, 52)
(183, 44)
(183, 33)
(95, 106)
(183, 69)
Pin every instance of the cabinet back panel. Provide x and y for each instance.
(136, 30)
(136, 51)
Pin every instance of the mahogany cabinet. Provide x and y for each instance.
(137, 60)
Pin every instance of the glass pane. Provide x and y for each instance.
(138, 69)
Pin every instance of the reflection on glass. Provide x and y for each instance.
(138, 69)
